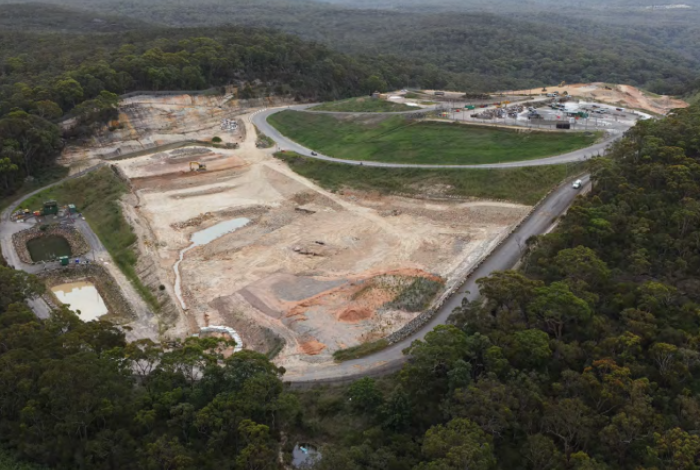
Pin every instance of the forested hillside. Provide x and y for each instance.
(57, 18)
(502, 48)
(586, 359)
(75, 395)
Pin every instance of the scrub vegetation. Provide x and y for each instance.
(363, 105)
(521, 185)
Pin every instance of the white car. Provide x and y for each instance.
(577, 184)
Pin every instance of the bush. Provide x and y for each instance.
(360, 350)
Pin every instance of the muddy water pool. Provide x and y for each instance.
(83, 296)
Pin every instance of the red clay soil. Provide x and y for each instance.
(352, 308)
(354, 314)
(312, 347)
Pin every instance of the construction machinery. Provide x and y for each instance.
(197, 166)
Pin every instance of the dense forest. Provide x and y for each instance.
(75, 395)
(517, 46)
(585, 359)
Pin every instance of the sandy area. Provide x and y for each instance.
(625, 96)
(147, 122)
(313, 269)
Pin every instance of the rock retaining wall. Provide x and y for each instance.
(78, 245)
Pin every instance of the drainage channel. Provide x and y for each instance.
(201, 238)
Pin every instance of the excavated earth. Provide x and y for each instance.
(312, 271)
(625, 96)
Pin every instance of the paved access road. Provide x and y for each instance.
(285, 143)
(503, 257)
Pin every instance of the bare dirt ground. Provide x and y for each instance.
(146, 122)
(625, 96)
(313, 271)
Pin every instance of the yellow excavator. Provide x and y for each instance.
(197, 166)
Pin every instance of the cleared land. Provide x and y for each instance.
(398, 140)
(625, 96)
(363, 105)
(521, 185)
(314, 270)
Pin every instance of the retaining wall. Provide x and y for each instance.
(78, 245)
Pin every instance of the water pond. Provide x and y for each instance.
(48, 248)
(83, 296)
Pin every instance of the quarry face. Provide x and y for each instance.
(307, 272)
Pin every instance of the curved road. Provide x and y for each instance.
(284, 143)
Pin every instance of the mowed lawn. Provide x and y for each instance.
(396, 139)
(363, 105)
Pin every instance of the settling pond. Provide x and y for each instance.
(83, 296)
(48, 248)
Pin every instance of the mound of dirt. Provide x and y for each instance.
(353, 314)
(312, 347)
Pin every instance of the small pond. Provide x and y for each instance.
(48, 248)
(305, 456)
(83, 296)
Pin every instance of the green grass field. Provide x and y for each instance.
(96, 196)
(521, 185)
(396, 139)
(363, 105)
